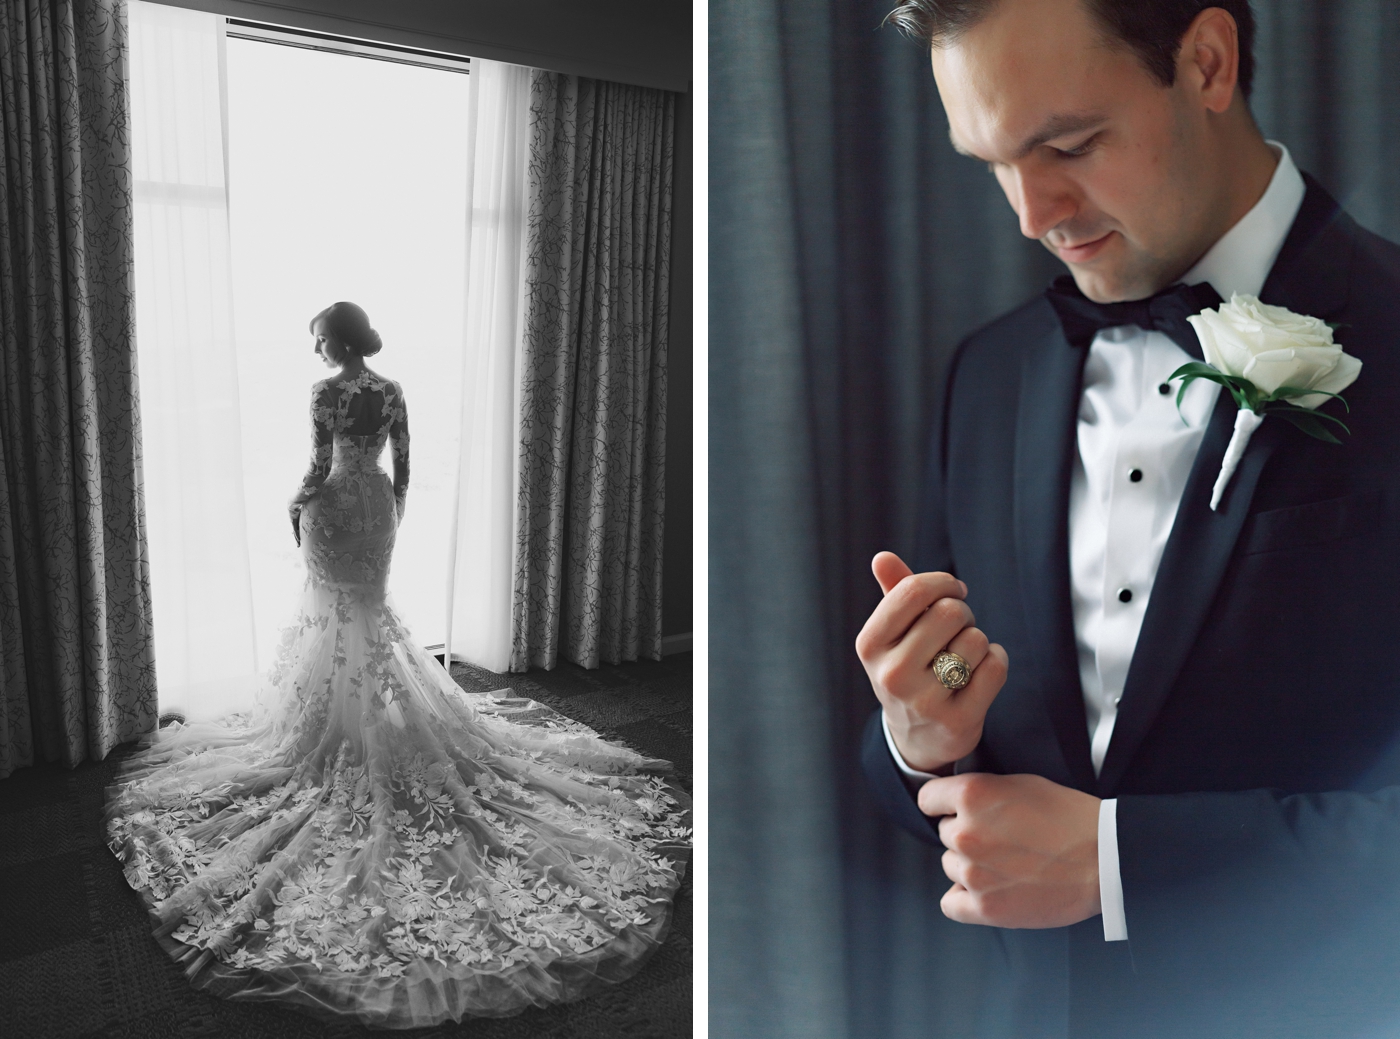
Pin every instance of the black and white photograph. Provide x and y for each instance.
(346, 494)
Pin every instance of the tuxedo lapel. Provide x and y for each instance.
(1309, 277)
(1051, 376)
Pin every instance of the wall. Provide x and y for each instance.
(626, 41)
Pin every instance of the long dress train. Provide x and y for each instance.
(373, 842)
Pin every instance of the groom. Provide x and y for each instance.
(1175, 791)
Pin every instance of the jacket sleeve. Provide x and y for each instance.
(932, 548)
(888, 787)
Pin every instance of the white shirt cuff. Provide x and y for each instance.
(1115, 920)
(910, 773)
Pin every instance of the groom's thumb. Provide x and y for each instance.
(889, 570)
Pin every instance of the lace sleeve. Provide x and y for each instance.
(322, 443)
(397, 409)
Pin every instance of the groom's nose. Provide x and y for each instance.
(1042, 199)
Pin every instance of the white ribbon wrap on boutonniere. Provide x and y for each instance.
(1273, 362)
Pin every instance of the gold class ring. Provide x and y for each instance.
(952, 670)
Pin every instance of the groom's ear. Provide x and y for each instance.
(1209, 58)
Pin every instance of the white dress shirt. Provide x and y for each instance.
(1135, 453)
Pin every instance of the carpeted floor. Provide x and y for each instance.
(77, 959)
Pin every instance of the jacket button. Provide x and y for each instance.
(1135, 476)
(1164, 389)
(1125, 595)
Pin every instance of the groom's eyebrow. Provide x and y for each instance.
(1060, 125)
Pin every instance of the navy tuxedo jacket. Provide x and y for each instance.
(1256, 754)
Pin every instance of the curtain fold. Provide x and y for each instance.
(590, 506)
(777, 961)
(77, 667)
(206, 650)
(480, 537)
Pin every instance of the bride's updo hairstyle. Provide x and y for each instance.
(349, 324)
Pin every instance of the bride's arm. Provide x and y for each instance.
(322, 446)
(398, 435)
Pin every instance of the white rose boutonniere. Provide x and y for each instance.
(1273, 362)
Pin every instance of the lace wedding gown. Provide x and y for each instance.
(372, 841)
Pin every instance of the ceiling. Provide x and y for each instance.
(646, 42)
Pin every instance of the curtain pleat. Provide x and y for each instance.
(78, 668)
(591, 492)
(777, 963)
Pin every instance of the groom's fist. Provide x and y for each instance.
(920, 616)
(1021, 851)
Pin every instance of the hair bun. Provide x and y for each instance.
(349, 324)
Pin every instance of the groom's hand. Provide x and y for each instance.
(1021, 851)
(919, 617)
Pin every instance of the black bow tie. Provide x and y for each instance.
(1165, 312)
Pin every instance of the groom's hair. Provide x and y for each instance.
(1151, 28)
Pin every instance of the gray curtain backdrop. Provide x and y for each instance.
(593, 374)
(76, 664)
(850, 249)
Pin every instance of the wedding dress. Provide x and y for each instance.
(372, 841)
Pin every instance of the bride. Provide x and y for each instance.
(372, 842)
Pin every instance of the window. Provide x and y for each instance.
(270, 182)
(346, 182)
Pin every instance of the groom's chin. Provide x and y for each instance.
(1117, 272)
(1104, 283)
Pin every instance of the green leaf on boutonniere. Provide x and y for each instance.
(1247, 395)
(1285, 392)
(1308, 420)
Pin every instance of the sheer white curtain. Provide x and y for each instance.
(203, 581)
(481, 536)
(206, 656)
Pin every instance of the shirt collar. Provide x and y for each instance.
(1241, 259)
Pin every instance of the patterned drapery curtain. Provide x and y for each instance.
(76, 659)
(591, 493)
